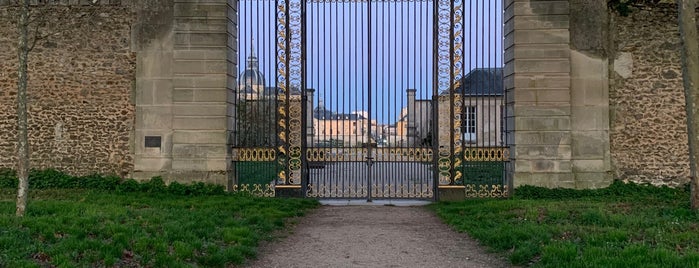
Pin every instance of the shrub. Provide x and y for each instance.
(154, 185)
(8, 178)
(128, 186)
(617, 188)
(52, 178)
(177, 188)
(99, 182)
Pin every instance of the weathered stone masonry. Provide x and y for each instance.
(123, 72)
(80, 90)
(648, 122)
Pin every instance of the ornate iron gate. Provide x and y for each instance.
(370, 99)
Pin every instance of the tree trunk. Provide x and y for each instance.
(690, 73)
(22, 141)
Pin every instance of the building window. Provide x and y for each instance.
(468, 124)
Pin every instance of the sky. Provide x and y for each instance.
(351, 55)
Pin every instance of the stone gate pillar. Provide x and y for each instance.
(556, 95)
(184, 72)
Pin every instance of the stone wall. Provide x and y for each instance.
(80, 90)
(648, 123)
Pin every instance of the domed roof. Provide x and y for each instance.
(251, 76)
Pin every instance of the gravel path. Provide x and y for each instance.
(374, 236)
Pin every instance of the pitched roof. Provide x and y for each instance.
(480, 82)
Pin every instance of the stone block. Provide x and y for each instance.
(144, 92)
(199, 123)
(200, 67)
(193, 109)
(543, 151)
(200, 95)
(551, 123)
(623, 64)
(210, 164)
(591, 165)
(550, 180)
(554, 96)
(523, 166)
(162, 91)
(539, 51)
(589, 67)
(197, 9)
(558, 80)
(592, 180)
(551, 166)
(219, 96)
(153, 117)
(198, 151)
(554, 36)
(154, 64)
(208, 81)
(542, 66)
(590, 144)
(529, 110)
(539, 22)
(556, 137)
(201, 25)
(522, 95)
(587, 118)
(590, 92)
(200, 54)
(200, 137)
(153, 91)
(209, 40)
(524, 8)
(142, 163)
(183, 95)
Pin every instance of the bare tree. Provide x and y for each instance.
(690, 73)
(22, 140)
(33, 26)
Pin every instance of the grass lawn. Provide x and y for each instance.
(87, 228)
(620, 226)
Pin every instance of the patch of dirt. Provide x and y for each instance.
(374, 236)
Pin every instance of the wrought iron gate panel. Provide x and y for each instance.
(370, 99)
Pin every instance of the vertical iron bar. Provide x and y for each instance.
(304, 104)
(451, 91)
(435, 99)
(275, 51)
(369, 95)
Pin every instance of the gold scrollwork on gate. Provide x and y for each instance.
(401, 191)
(254, 154)
(378, 191)
(486, 191)
(486, 154)
(327, 191)
(360, 154)
(266, 190)
(288, 78)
